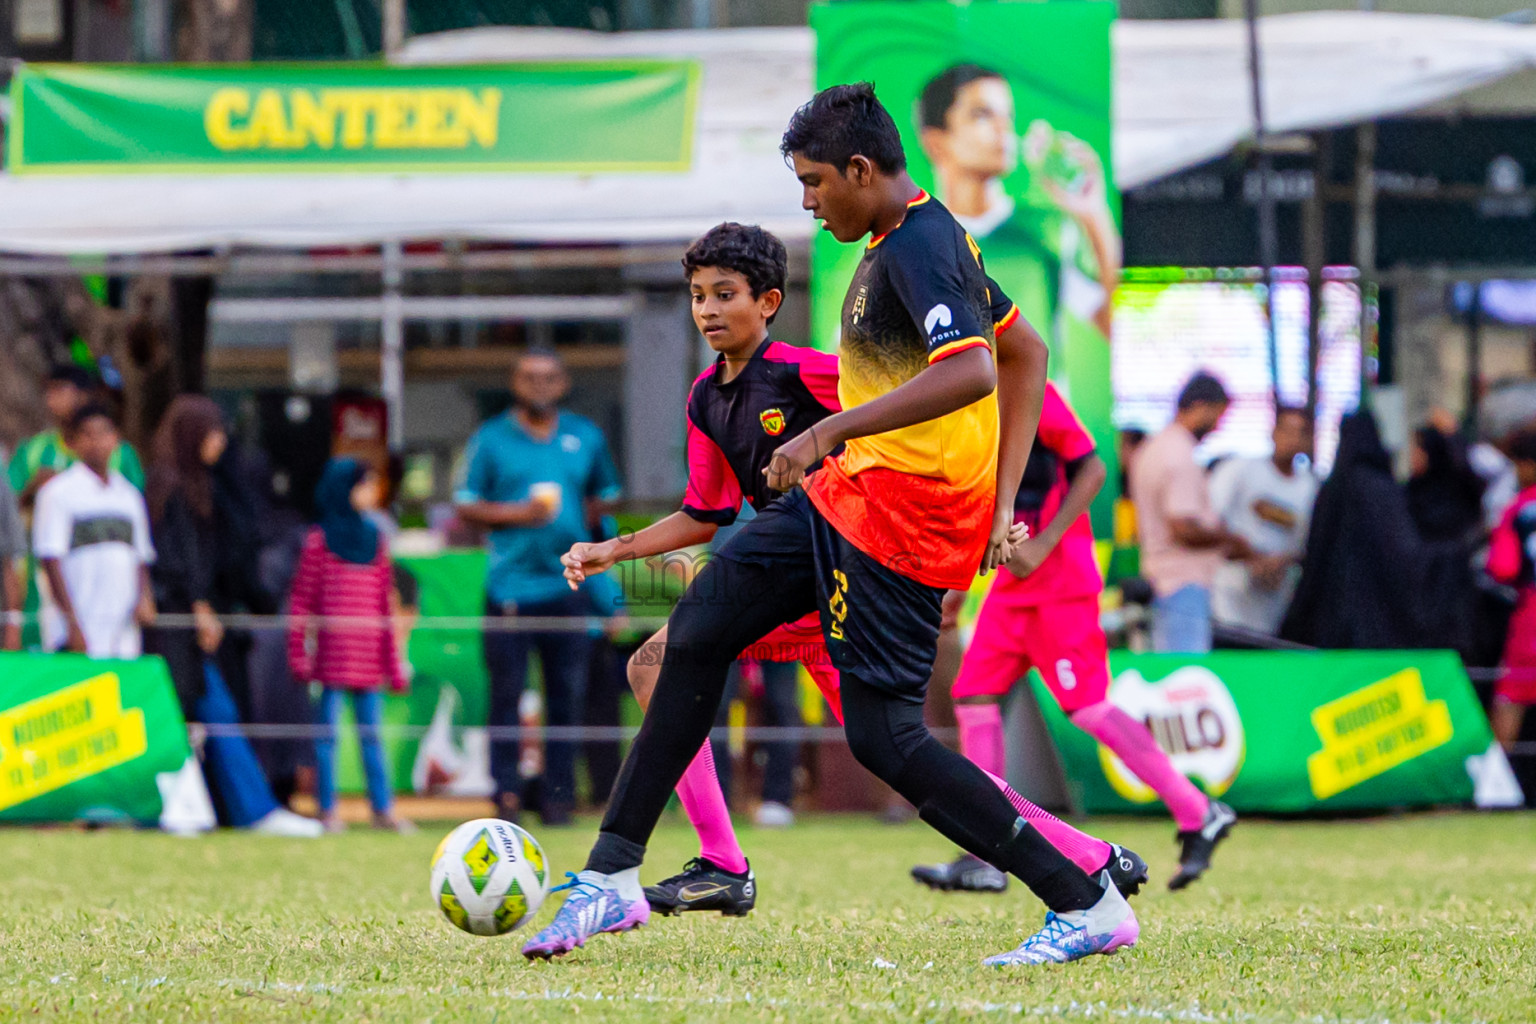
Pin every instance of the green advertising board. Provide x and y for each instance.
(99, 740)
(633, 115)
(1281, 732)
(1004, 111)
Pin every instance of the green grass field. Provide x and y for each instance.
(1410, 919)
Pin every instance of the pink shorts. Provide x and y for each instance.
(1063, 640)
(1517, 683)
(802, 641)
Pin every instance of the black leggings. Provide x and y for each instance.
(729, 606)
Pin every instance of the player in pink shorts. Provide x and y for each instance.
(1043, 613)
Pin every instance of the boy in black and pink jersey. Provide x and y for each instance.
(757, 393)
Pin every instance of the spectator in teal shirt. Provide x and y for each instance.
(538, 478)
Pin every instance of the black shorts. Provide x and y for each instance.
(879, 625)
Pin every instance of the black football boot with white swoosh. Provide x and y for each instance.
(704, 885)
(1197, 845)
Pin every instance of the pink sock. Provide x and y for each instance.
(981, 736)
(704, 803)
(981, 741)
(1134, 746)
(1084, 850)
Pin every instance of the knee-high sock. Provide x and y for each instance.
(704, 803)
(981, 740)
(981, 736)
(1133, 744)
(887, 735)
(1082, 849)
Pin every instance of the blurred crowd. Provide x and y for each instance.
(1260, 552)
(157, 554)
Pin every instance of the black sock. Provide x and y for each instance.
(611, 854)
(957, 798)
(1060, 884)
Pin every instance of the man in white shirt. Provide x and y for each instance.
(90, 534)
(1268, 502)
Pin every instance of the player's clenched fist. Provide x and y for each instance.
(790, 461)
(586, 559)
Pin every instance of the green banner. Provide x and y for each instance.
(578, 117)
(1283, 732)
(1004, 113)
(99, 740)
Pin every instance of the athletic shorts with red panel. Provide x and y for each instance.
(1063, 640)
(802, 641)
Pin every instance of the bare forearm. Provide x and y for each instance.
(1022, 357)
(678, 530)
(938, 390)
(55, 576)
(1085, 486)
(1193, 534)
(10, 584)
(1104, 239)
(496, 514)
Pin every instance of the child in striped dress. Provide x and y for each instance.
(344, 571)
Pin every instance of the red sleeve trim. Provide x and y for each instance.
(955, 348)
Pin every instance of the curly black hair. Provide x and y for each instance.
(746, 249)
(842, 122)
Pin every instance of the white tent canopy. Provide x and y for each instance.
(1181, 93)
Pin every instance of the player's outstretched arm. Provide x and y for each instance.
(940, 389)
(1022, 356)
(678, 530)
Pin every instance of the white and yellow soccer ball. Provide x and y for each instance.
(489, 876)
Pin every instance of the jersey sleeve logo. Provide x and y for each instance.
(938, 316)
(773, 421)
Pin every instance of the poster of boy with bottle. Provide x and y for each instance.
(1008, 125)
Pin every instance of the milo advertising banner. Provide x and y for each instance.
(95, 740)
(1004, 114)
(1284, 732)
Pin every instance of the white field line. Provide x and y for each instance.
(1072, 1010)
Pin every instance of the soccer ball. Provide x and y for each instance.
(488, 876)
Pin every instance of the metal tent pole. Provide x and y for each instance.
(1269, 244)
(392, 355)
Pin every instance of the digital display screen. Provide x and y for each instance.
(1171, 322)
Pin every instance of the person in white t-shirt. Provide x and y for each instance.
(90, 534)
(1268, 502)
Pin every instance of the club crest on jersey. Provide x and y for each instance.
(859, 302)
(773, 421)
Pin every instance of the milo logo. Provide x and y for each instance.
(1194, 719)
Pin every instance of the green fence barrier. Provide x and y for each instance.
(100, 740)
(1285, 732)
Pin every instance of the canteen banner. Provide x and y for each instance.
(1003, 110)
(1284, 732)
(96, 740)
(537, 117)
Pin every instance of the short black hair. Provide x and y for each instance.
(842, 122)
(78, 376)
(87, 412)
(746, 249)
(939, 94)
(1202, 387)
(1522, 447)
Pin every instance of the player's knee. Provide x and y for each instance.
(642, 669)
(872, 748)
